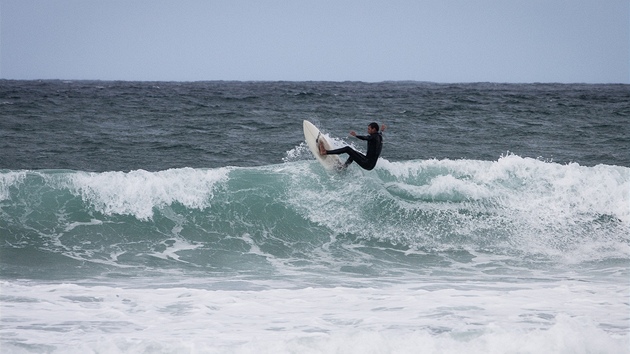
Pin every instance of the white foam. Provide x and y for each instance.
(432, 317)
(71, 226)
(8, 180)
(138, 192)
(549, 191)
(172, 246)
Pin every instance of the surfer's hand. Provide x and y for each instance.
(353, 133)
(383, 127)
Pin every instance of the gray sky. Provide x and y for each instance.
(336, 40)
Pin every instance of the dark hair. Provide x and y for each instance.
(374, 125)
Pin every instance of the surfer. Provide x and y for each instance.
(374, 146)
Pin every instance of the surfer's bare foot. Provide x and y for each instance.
(322, 150)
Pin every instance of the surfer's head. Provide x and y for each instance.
(372, 128)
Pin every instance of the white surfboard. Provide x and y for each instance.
(313, 136)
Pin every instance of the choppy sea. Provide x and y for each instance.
(170, 217)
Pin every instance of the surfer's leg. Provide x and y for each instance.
(344, 150)
(353, 155)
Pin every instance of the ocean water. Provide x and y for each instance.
(163, 217)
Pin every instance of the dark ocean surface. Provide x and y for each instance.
(121, 126)
(192, 218)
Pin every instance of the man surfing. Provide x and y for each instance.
(375, 145)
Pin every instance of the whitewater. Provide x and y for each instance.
(139, 250)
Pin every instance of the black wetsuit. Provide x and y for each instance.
(368, 161)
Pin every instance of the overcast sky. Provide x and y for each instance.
(332, 40)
